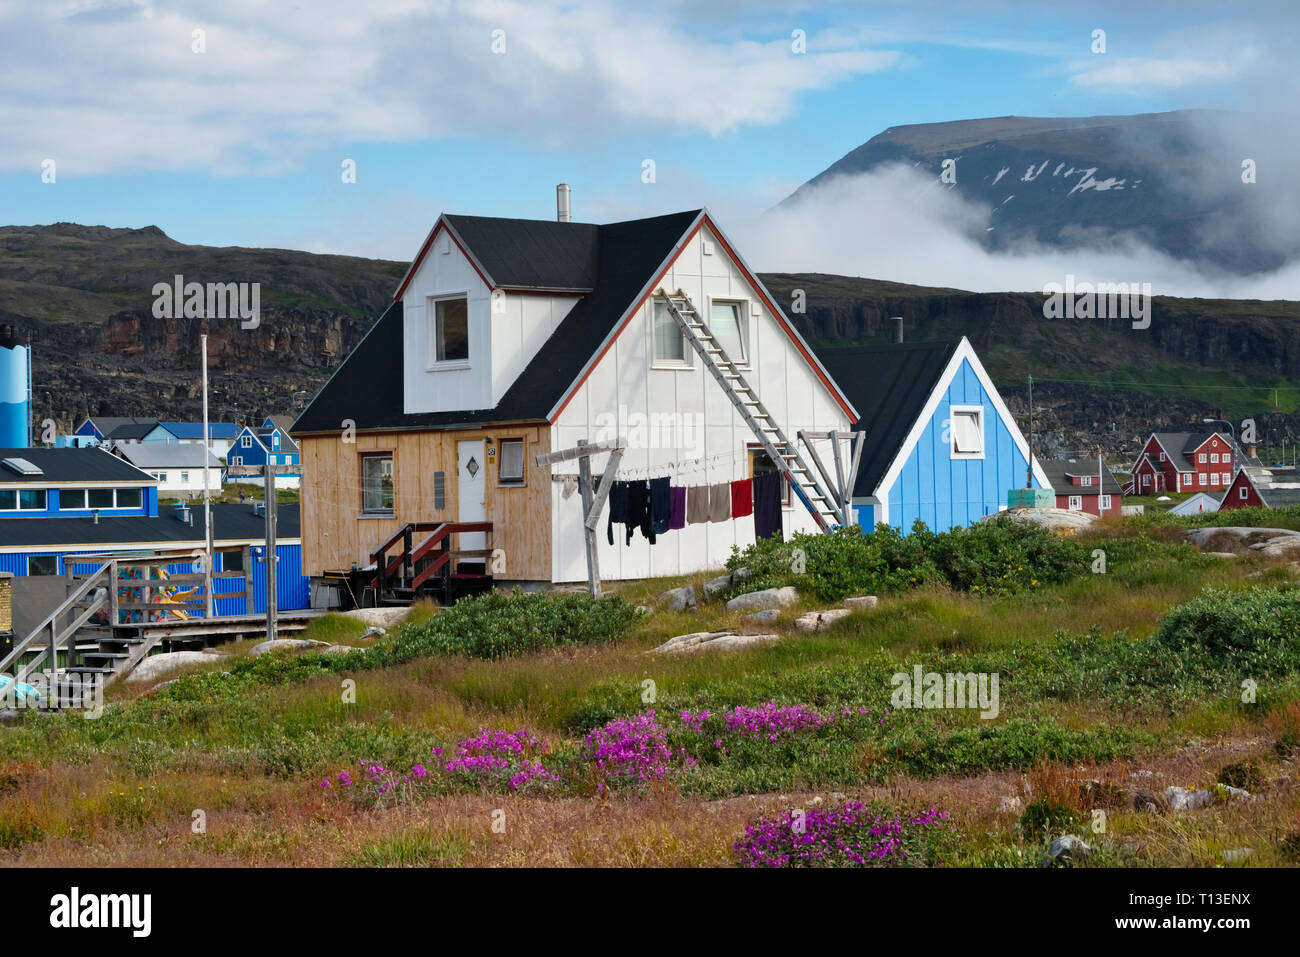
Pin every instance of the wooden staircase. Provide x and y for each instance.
(405, 571)
(780, 450)
(56, 647)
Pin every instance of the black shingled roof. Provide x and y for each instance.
(229, 522)
(61, 466)
(889, 386)
(529, 253)
(367, 387)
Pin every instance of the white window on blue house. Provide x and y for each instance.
(22, 499)
(245, 441)
(966, 427)
(275, 439)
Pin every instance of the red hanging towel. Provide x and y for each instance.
(742, 498)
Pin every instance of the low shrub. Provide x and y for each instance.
(1255, 631)
(852, 834)
(999, 556)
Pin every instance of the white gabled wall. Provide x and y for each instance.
(437, 390)
(502, 337)
(623, 383)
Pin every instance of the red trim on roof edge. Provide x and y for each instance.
(753, 284)
(415, 264)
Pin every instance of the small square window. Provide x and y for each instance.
(451, 330)
(245, 441)
(43, 565)
(511, 469)
(1214, 478)
(1214, 457)
(1202, 478)
(1200, 457)
(232, 561)
(966, 424)
(1105, 503)
(670, 344)
(1076, 503)
(1227, 478)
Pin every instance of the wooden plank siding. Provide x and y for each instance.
(335, 533)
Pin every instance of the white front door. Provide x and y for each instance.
(471, 485)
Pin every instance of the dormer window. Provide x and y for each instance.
(450, 330)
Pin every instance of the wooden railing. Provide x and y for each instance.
(104, 578)
(402, 566)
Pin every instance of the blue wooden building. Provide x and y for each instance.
(940, 443)
(269, 443)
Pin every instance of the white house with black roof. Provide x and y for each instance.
(941, 446)
(508, 338)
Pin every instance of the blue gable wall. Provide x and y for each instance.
(945, 492)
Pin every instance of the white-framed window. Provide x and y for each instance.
(1162, 456)
(1146, 481)
(275, 439)
(185, 478)
(22, 499)
(1201, 458)
(1076, 503)
(729, 324)
(669, 343)
(966, 426)
(1214, 457)
(1085, 480)
(511, 469)
(245, 441)
(1214, 478)
(1242, 492)
(1105, 503)
(1202, 478)
(1227, 478)
(236, 460)
(377, 482)
(449, 330)
(1226, 458)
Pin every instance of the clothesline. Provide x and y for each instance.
(656, 506)
(671, 469)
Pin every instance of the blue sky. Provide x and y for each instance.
(242, 143)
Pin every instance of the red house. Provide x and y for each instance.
(1183, 462)
(1244, 493)
(1081, 487)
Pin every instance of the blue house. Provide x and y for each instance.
(270, 443)
(100, 427)
(940, 443)
(71, 483)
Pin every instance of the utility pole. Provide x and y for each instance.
(1029, 468)
(207, 499)
(272, 506)
(268, 473)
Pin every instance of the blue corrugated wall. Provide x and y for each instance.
(293, 591)
(945, 492)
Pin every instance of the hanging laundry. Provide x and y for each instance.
(617, 508)
(767, 505)
(742, 498)
(677, 507)
(697, 505)
(720, 502)
(660, 506)
(638, 510)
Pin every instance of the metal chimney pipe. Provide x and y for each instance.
(898, 329)
(562, 210)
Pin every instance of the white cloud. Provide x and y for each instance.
(1138, 75)
(116, 87)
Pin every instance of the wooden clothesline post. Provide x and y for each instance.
(593, 500)
(842, 486)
